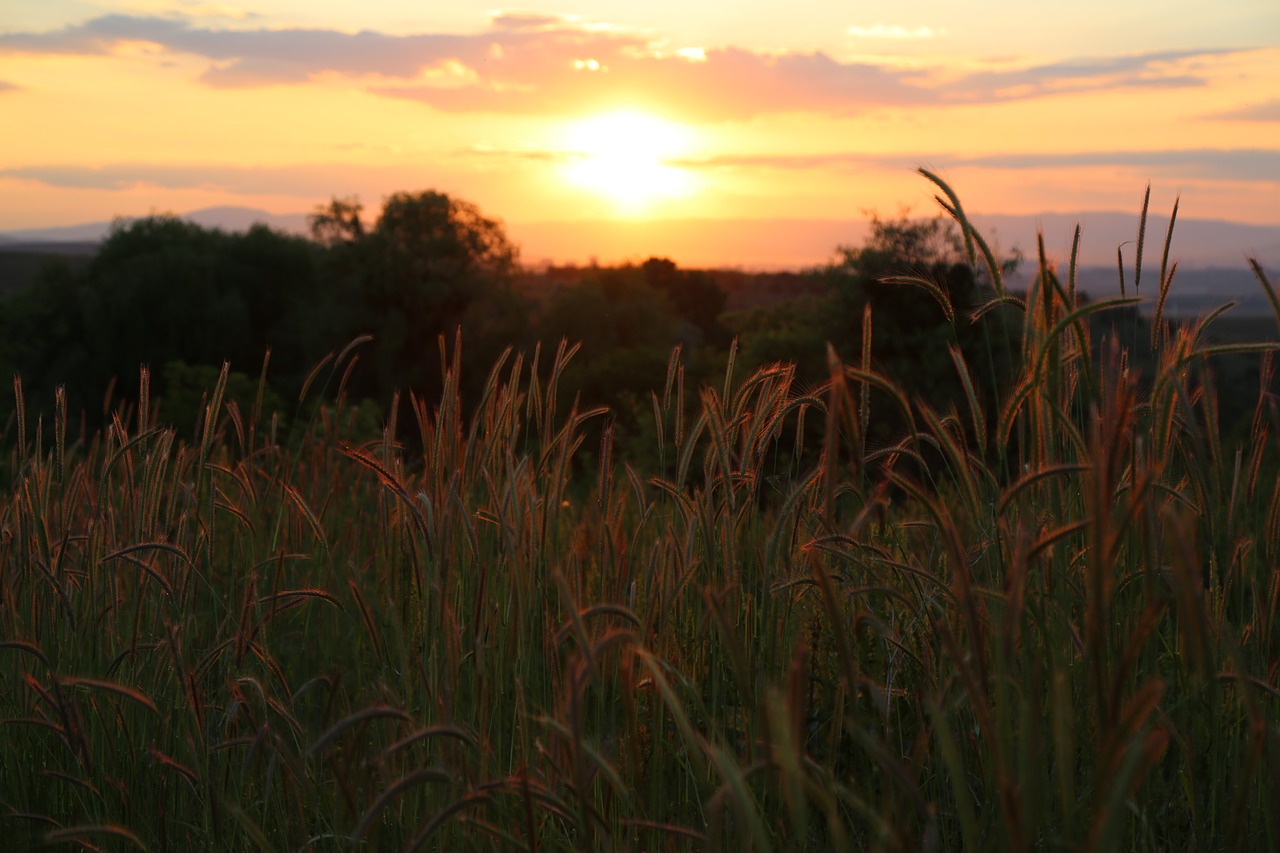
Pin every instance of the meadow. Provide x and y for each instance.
(1046, 624)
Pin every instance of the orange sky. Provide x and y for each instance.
(815, 110)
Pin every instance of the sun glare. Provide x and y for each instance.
(623, 156)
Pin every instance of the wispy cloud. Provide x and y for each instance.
(1239, 164)
(6, 86)
(530, 155)
(1264, 111)
(719, 84)
(1247, 164)
(1165, 69)
(526, 21)
(316, 180)
(533, 63)
(894, 31)
(289, 56)
(832, 161)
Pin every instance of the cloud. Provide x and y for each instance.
(832, 161)
(528, 155)
(829, 161)
(719, 84)
(525, 21)
(1166, 69)
(881, 31)
(306, 52)
(307, 180)
(6, 86)
(321, 180)
(1249, 164)
(1241, 164)
(532, 63)
(1264, 111)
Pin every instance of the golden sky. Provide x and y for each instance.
(663, 109)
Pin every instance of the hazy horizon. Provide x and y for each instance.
(781, 244)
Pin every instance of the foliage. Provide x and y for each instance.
(627, 321)
(162, 290)
(429, 264)
(187, 396)
(337, 222)
(795, 331)
(694, 296)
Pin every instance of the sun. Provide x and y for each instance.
(625, 157)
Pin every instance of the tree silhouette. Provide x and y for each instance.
(694, 295)
(425, 267)
(337, 222)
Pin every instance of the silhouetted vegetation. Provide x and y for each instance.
(162, 292)
(175, 296)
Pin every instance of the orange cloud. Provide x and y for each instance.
(316, 180)
(1268, 111)
(542, 64)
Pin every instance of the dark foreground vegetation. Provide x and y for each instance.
(990, 572)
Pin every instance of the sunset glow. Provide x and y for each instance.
(622, 156)
(637, 113)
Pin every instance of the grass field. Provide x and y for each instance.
(1049, 626)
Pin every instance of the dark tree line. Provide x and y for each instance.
(161, 291)
(181, 299)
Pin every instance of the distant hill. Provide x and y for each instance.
(226, 218)
(1195, 291)
(1196, 242)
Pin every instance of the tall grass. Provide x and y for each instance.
(1048, 626)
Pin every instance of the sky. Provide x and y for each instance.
(668, 109)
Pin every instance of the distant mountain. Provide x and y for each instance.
(226, 218)
(243, 218)
(1196, 242)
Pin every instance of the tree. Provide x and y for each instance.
(43, 334)
(159, 290)
(695, 296)
(428, 263)
(436, 235)
(162, 290)
(337, 222)
(793, 331)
